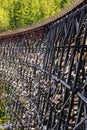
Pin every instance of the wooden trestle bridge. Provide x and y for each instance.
(44, 71)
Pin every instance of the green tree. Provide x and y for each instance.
(4, 20)
(21, 13)
(64, 3)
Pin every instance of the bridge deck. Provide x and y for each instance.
(44, 69)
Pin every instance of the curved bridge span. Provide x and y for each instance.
(44, 72)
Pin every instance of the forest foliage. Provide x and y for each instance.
(22, 13)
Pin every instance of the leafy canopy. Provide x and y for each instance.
(21, 13)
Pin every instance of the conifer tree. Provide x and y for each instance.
(16, 14)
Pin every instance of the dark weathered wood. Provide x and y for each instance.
(44, 69)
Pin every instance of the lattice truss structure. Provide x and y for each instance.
(45, 75)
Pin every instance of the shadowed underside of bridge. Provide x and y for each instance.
(44, 69)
